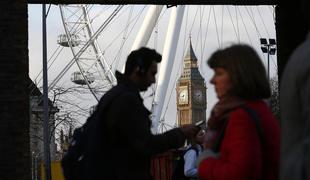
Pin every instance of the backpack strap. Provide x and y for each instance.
(254, 117)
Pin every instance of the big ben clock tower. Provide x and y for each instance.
(191, 92)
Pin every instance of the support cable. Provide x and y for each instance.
(253, 21)
(245, 27)
(217, 33)
(260, 15)
(232, 22)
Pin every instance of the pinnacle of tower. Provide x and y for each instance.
(190, 55)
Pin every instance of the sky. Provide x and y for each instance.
(210, 28)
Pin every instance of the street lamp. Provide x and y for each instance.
(269, 48)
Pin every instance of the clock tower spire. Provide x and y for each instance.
(191, 91)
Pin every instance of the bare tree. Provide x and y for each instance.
(72, 113)
(66, 113)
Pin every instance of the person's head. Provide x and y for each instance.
(141, 67)
(198, 138)
(238, 71)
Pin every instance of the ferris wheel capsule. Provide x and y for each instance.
(79, 79)
(63, 40)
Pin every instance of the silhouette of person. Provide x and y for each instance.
(128, 142)
(295, 110)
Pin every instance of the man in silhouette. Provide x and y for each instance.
(128, 143)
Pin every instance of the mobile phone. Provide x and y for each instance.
(199, 123)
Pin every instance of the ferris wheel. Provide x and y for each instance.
(80, 37)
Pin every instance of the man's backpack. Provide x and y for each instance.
(178, 164)
(78, 162)
(75, 160)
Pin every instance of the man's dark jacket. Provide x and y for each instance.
(127, 143)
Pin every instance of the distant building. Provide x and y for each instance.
(36, 128)
(64, 142)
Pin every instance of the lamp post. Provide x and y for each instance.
(269, 48)
(46, 131)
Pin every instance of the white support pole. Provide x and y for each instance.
(147, 27)
(166, 65)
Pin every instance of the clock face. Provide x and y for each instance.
(183, 96)
(198, 96)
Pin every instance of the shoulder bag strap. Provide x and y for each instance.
(254, 116)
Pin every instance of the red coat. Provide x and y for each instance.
(242, 157)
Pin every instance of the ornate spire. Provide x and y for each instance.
(190, 55)
(190, 65)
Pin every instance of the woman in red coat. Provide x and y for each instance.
(236, 147)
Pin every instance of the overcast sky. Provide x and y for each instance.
(210, 27)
